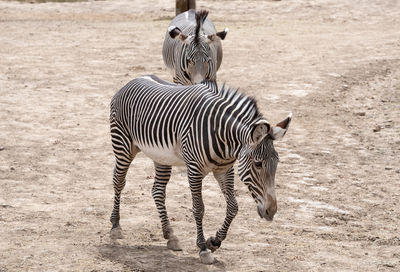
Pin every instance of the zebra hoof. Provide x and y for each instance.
(116, 233)
(173, 244)
(213, 244)
(206, 257)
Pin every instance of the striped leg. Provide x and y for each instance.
(124, 154)
(226, 183)
(195, 182)
(163, 174)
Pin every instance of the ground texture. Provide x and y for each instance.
(335, 64)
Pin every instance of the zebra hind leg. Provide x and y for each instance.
(162, 176)
(123, 158)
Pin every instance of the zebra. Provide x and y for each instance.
(205, 131)
(192, 48)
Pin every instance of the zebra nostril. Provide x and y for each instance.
(266, 212)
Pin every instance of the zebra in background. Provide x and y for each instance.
(203, 130)
(192, 48)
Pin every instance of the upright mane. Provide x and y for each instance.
(200, 18)
(233, 96)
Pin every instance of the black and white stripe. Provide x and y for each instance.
(196, 126)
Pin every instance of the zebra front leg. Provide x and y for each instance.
(195, 182)
(226, 183)
(162, 176)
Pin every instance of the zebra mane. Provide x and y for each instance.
(234, 96)
(200, 18)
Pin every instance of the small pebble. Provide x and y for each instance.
(377, 128)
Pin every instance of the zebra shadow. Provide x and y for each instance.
(154, 258)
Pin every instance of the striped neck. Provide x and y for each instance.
(239, 113)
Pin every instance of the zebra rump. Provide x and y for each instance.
(192, 48)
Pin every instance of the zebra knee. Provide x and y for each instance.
(154, 191)
(198, 212)
(233, 207)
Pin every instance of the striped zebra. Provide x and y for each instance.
(192, 48)
(203, 130)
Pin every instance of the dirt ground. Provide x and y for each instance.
(335, 64)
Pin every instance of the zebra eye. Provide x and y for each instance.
(258, 164)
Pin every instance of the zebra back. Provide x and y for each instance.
(186, 22)
(157, 115)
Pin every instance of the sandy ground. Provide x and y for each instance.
(334, 63)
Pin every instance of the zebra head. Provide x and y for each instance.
(201, 53)
(258, 162)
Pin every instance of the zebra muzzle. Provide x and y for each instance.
(265, 213)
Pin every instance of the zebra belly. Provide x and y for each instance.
(164, 155)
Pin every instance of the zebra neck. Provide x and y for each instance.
(229, 138)
(212, 85)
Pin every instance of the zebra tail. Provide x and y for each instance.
(200, 18)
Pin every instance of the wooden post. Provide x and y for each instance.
(184, 5)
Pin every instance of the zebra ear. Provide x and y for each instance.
(222, 34)
(260, 130)
(278, 131)
(176, 33)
